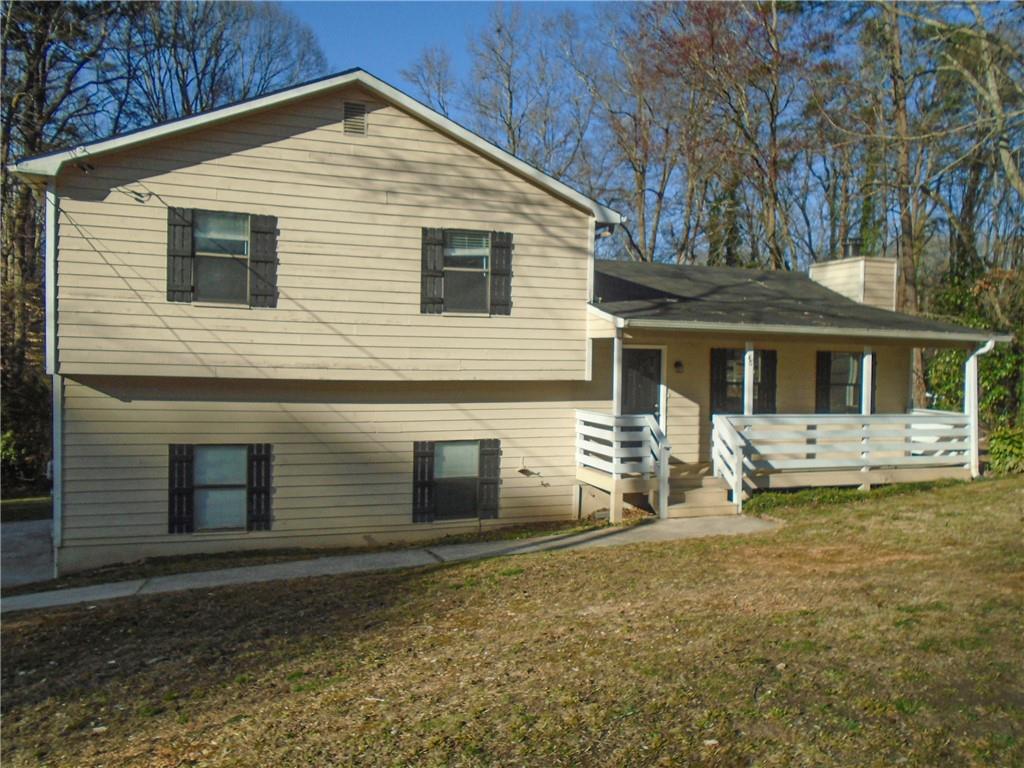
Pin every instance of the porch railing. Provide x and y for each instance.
(624, 447)
(840, 449)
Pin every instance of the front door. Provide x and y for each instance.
(641, 381)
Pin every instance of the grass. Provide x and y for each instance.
(886, 631)
(20, 510)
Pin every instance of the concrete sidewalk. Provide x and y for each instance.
(660, 530)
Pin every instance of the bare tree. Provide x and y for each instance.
(431, 76)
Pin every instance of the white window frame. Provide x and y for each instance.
(196, 252)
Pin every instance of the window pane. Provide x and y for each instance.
(222, 232)
(457, 459)
(222, 279)
(465, 291)
(219, 508)
(455, 498)
(220, 465)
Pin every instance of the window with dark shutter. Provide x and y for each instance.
(179, 254)
(263, 261)
(181, 517)
(501, 273)
(456, 480)
(220, 487)
(466, 271)
(423, 482)
(221, 257)
(822, 380)
(432, 272)
(489, 478)
(259, 488)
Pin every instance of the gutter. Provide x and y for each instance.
(972, 400)
(790, 330)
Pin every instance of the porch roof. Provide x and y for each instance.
(689, 297)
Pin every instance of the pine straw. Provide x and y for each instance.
(866, 634)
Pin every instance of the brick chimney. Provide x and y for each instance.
(869, 280)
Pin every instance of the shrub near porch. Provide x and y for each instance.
(868, 633)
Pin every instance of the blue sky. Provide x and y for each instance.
(385, 37)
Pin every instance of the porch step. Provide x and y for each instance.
(709, 498)
(701, 510)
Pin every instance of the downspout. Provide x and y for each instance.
(57, 462)
(971, 403)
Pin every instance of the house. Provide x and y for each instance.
(331, 316)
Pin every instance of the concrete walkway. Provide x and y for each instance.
(660, 530)
(26, 554)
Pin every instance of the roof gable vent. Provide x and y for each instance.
(355, 118)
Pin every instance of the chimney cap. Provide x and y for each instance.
(851, 247)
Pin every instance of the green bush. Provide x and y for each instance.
(1006, 450)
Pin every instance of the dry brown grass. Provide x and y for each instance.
(869, 634)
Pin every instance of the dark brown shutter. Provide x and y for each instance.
(259, 488)
(179, 254)
(432, 272)
(423, 482)
(823, 383)
(489, 479)
(181, 505)
(263, 261)
(719, 360)
(501, 273)
(764, 397)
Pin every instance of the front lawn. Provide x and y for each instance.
(881, 632)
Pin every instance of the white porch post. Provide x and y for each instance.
(867, 364)
(617, 374)
(748, 380)
(866, 375)
(615, 492)
(971, 404)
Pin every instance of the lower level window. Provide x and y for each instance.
(220, 479)
(839, 383)
(219, 488)
(456, 475)
(456, 480)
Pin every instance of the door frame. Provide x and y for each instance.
(663, 386)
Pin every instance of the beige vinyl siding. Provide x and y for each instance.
(880, 283)
(350, 212)
(342, 470)
(843, 276)
(870, 281)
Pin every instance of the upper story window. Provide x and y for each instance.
(467, 258)
(222, 257)
(466, 271)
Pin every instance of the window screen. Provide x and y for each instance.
(466, 271)
(221, 257)
(220, 477)
(456, 471)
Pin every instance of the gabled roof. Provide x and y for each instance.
(48, 165)
(646, 295)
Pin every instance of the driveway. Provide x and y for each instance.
(26, 552)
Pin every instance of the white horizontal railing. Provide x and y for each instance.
(745, 445)
(624, 446)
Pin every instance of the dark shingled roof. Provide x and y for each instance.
(641, 291)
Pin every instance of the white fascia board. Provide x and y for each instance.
(48, 166)
(617, 321)
(951, 337)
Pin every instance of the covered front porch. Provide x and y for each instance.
(662, 439)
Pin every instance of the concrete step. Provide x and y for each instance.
(701, 510)
(706, 495)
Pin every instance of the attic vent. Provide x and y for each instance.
(355, 118)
